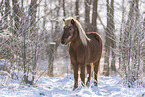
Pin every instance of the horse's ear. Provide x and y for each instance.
(72, 21)
(63, 20)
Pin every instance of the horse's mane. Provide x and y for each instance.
(82, 33)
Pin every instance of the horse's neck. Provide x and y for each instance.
(77, 42)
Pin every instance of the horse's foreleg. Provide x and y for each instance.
(75, 68)
(96, 69)
(82, 68)
(89, 75)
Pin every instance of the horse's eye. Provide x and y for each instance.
(70, 29)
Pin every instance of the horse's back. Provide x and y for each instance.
(94, 36)
(94, 46)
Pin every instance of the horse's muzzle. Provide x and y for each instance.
(62, 42)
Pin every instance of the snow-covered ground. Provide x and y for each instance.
(62, 87)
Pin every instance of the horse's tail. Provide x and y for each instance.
(99, 39)
(98, 74)
(100, 43)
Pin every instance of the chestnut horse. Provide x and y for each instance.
(84, 50)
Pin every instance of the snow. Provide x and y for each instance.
(62, 87)
(2, 62)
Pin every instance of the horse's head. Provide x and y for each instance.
(69, 31)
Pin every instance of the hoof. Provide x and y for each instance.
(95, 84)
(88, 84)
(75, 88)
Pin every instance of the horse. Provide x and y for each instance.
(84, 49)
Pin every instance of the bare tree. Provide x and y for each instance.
(87, 15)
(120, 39)
(110, 38)
(131, 45)
(55, 42)
(91, 25)
(17, 16)
(63, 5)
(32, 15)
(94, 16)
(113, 37)
(7, 11)
(77, 9)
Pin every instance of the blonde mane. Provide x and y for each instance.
(82, 33)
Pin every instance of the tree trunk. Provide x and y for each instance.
(53, 46)
(25, 77)
(131, 52)
(77, 9)
(51, 59)
(16, 15)
(63, 5)
(32, 15)
(110, 39)
(94, 16)
(7, 12)
(87, 15)
(113, 42)
(143, 53)
(120, 39)
(107, 43)
(34, 36)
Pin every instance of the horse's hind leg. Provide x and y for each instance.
(96, 70)
(88, 74)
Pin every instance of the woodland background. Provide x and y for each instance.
(30, 32)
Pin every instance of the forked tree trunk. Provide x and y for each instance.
(53, 46)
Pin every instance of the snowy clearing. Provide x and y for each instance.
(62, 87)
